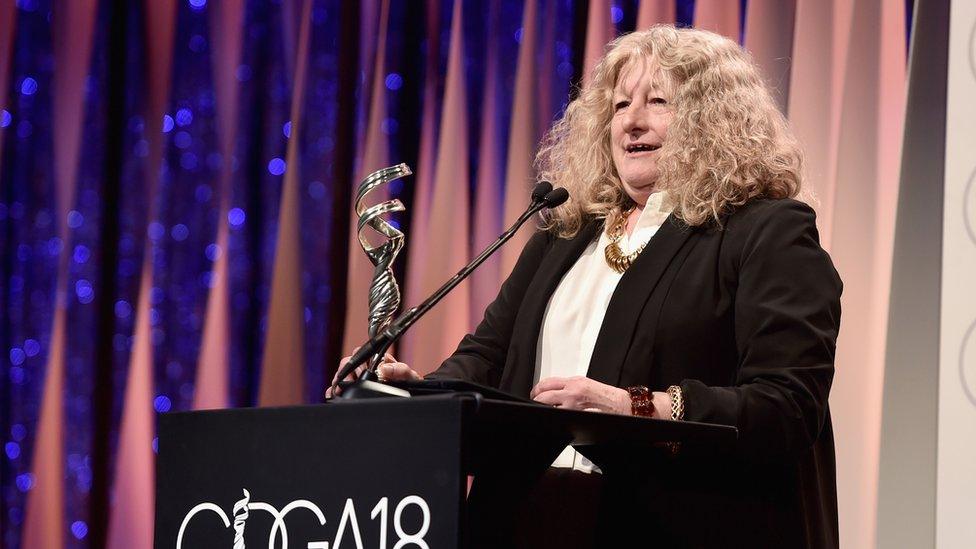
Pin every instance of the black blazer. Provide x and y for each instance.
(744, 318)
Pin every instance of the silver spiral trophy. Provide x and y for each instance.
(384, 293)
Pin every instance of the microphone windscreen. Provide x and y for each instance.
(556, 197)
(540, 191)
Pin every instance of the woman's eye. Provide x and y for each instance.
(621, 105)
(658, 101)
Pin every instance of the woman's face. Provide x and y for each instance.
(642, 114)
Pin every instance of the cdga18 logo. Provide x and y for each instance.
(348, 523)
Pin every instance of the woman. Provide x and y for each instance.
(693, 287)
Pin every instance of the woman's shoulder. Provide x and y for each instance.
(772, 224)
(759, 211)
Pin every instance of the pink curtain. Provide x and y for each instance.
(283, 364)
(652, 12)
(436, 335)
(211, 388)
(73, 30)
(374, 156)
(131, 514)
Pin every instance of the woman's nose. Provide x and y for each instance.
(634, 119)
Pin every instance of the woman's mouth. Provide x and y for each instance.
(640, 148)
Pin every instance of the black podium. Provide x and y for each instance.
(386, 473)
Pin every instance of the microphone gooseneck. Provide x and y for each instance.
(543, 196)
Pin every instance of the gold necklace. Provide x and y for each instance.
(614, 255)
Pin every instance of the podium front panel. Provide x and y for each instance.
(322, 476)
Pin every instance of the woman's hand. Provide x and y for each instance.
(388, 370)
(582, 393)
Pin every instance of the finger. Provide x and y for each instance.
(548, 384)
(552, 398)
(398, 371)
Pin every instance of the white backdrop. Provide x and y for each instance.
(956, 473)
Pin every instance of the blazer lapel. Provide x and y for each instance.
(628, 300)
(520, 364)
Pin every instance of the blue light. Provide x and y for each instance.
(389, 126)
(174, 369)
(394, 81)
(5, 118)
(17, 356)
(168, 123)
(564, 70)
(25, 482)
(316, 189)
(286, 129)
(84, 290)
(616, 14)
(12, 449)
(213, 252)
(25, 129)
(188, 160)
(276, 166)
(198, 4)
(179, 232)
(54, 246)
(203, 192)
(16, 375)
(162, 403)
(32, 347)
(518, 35)
(122, 309)
(18, 432)
(155, 445)
(156, 230)
(79, 529)
(28, 86)
(75, 219)
(182, 139)
(197, 43)
(236, 217)
(82, 254)
(184, 117)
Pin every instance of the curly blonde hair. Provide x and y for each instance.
(727, 142)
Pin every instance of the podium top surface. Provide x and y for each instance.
(491, 418)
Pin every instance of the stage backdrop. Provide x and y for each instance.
(175, 195)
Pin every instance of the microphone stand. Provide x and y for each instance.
(382, 341)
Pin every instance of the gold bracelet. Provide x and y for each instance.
(677, 413)
(677, 403)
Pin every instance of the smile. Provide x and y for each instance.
(638, 148)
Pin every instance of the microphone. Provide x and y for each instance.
(543, 196)
(540, 191)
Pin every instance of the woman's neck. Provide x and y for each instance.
(633, 217)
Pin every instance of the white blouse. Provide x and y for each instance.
(575, 312)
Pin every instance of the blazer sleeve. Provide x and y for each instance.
(787, 315)
(480, 357)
